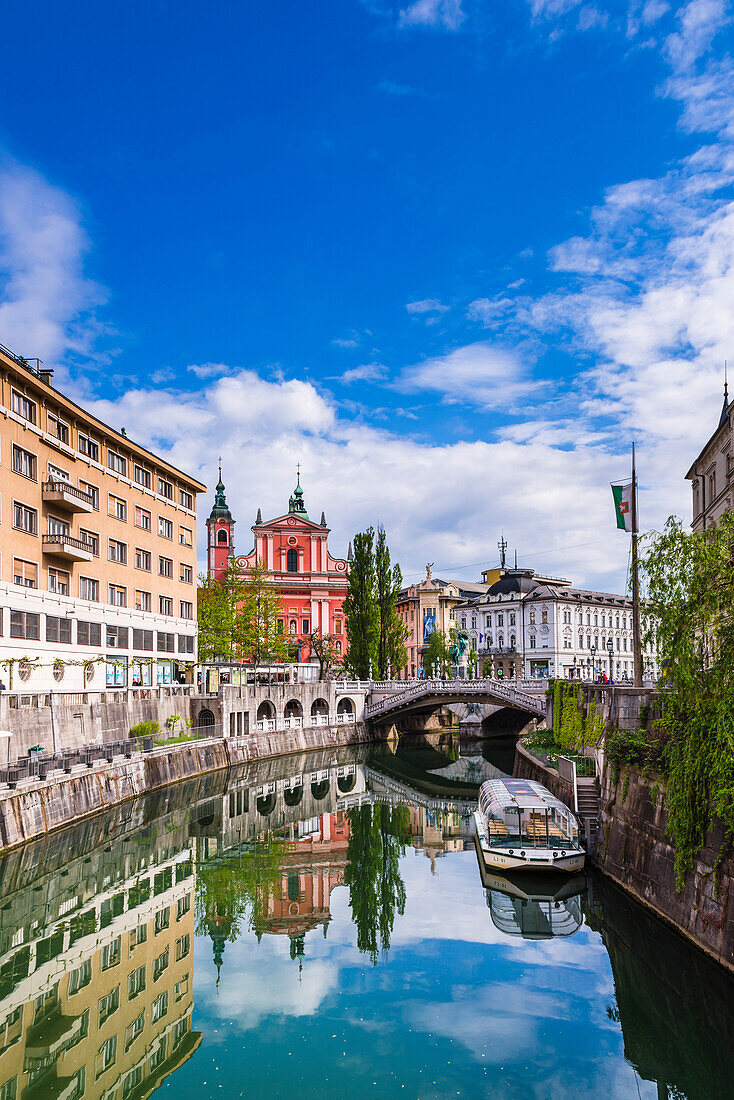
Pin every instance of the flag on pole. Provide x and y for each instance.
(623, 505)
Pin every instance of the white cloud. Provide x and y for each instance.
(479, 374)
(367, 372)
(47, 303)
(209, 370)
(427, 305)
(443, 14)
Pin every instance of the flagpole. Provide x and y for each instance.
(636, 642)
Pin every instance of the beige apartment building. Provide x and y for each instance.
(97, 547)
(712, 474)
(426, 607)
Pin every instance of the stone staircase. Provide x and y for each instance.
(589, 797)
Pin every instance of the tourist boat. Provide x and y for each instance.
(536, 905)
(520, 824)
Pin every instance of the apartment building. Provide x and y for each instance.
(96, 971)
(97, 547)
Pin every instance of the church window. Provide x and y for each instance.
(280, 626)
(305, 626)
(292, 560)
(222, 538)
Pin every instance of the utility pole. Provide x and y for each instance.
(636, 641)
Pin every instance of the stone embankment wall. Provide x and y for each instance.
(620, 707)
(39, 807)
(633, 850)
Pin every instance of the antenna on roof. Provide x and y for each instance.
(502, 547)
(516, 559)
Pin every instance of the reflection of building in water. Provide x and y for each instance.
(313, 865)
(96, 973)
(535, 907)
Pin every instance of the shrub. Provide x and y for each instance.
(146, 728)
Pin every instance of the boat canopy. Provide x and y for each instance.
(522, 808)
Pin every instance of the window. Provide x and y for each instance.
(117, 637)
(185, 643)
(143, 518)
(187, 609)
(500, 620)
(108, 1004)
(58, 581)
(92, 540)
(160, 965)
(134, 1029)
(58, 527)
(159, 1008)
(88, 633)
(185, 536)
(186, 500)
(142, 477)
(25, 573)
(183, 905)
(25, 463)
(58, 428)
(89, 589)
(306, 625)
(116, 462)
(186, 574)
(111, 954)
(292, 560)
(162, 920)
(9, 1091)
(117, 551)
(142, 559)
(23, 406)
(511, 618)
(106, 1056)
(25, 518)
(117, 507)
(158, 1056)
(165, 527)
(532, 641)
(165, 488)
(165, 642)
(138, 935)
(92, 491)
(55, 473)
(80, 977)
(182, 947)
(117, 595)
(165, 605)
(165, 567)
(87, 446)
(136, 983)
(337, 626)
(142, 600)
(143, 640)
(181, 988)
(222, 537)
(58, 630)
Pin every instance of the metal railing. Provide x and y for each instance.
(39, 765)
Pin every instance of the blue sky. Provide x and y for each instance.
(451, 255)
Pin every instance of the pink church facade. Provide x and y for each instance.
(295, 550)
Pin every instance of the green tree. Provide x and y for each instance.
(361, 610)
(689, 618)
(392, 656)
(437, 656)
(262, 607)
(223, 632)
(323, 646)
(377, 839)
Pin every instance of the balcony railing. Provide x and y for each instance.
(66, 546)
(64, 494)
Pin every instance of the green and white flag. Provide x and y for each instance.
(623, 505)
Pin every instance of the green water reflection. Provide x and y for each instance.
(319, 926)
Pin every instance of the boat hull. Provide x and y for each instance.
(538, 859)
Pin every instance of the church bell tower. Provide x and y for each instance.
(220, 532)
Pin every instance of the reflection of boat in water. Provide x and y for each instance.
(520, 824)
(535, 905)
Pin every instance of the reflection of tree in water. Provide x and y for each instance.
(232, 891)
(377, 838)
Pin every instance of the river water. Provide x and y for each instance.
(317, 926)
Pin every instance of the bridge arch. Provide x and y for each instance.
(320, 789)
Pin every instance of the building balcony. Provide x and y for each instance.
(51, 1036)
(67, 547)
(63, 495)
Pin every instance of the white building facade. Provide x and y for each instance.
(528, 627)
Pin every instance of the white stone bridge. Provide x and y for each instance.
(423, 696)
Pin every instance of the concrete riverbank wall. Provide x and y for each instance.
(633, 850)
(38, 807)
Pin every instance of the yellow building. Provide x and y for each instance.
(97, 547)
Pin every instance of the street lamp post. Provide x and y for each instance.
(593, 662)
(610, 651)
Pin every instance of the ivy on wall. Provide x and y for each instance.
(576, 725)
